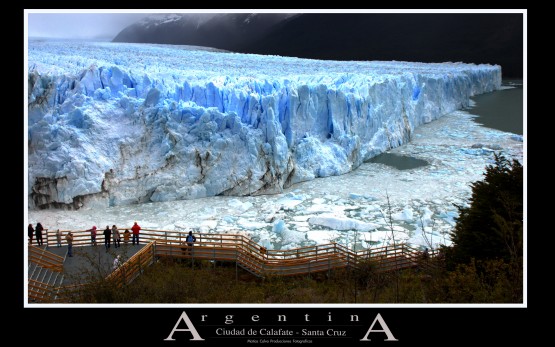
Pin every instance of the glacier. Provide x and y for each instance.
(118, 124)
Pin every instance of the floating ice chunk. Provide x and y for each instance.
(288, 205)
(318, 201)
(398, 228)
(356, 196)
(300, 224)
(250, 225)
(225, 229)
(229, 219)
(325, 208)
(373, 208)
(418, 240)
(301, 218)
(207, 225)
(239, 206)
(249, 214)
(279, 226)
(292, 237)
(270, 217)
(449, 216)
(426, 240)
(476, 151)
(322, 236)
(292, 196)
(317, 208)
(425, 218)
(290, 200)
(492, 146)
(405, 215)
(341, 223)
(380, 236)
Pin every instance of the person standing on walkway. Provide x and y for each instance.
(30, 233)
(38, 233)
(58, 238)
(93, 235)
(69, 239)
(190, 239)
(107, 234)
(126, 234)
(115, 235)
(117, 262)
(136, 228)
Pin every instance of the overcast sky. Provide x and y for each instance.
(80, 25)
(98, 26)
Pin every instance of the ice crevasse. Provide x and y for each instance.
(112, 124)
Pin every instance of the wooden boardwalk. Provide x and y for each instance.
(237, 248)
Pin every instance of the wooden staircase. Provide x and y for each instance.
(45, 276)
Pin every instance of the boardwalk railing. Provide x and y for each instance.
(46, 259)
(247, 254)
(39, 291)
(134, 266)
(253, 258)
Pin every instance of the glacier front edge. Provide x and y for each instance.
(114, 124)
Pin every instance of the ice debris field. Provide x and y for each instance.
(273, 147)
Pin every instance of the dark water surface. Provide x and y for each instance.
(400, 162)
(502, 109)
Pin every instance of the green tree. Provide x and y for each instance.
(491, 227)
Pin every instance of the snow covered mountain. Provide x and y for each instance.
(229, 31)
(115, 124)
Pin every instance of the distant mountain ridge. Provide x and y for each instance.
(229, 31)
(470, 38)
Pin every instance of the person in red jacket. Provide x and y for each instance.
(136, 228)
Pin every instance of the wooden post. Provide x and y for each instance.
(263, 272)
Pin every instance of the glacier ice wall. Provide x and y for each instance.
(112, 124)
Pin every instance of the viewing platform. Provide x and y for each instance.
(53, 277)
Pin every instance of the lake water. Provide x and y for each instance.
(400, 162)
(502, 109)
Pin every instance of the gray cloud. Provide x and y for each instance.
(102, 26)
